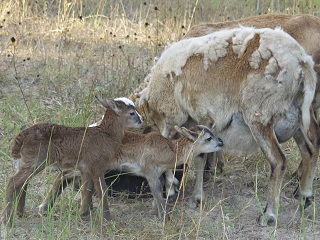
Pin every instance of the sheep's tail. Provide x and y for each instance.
(308, 93)
(17, 145)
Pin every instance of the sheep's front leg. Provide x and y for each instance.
(156, 190)
(102, 192)
(266, 139)
(86, 194)
(309, 158)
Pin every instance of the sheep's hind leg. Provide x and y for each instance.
(266, 139)
(308, 165)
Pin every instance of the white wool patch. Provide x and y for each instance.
(125, 100)
(216, 45)
(240, 41)
(272, 67)
(212, 47)
(255, 60)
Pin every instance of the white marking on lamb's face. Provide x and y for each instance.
(125, 101)
(129, 103)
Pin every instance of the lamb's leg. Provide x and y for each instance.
(308, 165)
(266, 139)
(86, 194)
(102, 192)
(198, 194)
(156, 190)
(215, 161)
(22, 200)
(16, 188)
(171, 184)
(62, 180)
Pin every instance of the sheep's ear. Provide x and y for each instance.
(107, 103)
(187, 133)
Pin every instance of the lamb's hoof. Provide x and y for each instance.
(107, 217)
(42, 210)
(172, 198)
(194, 202)
(165, 217)
(84, 214)
(265, 220)
(20, 214)
(5, 221)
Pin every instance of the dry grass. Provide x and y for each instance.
(64, 53)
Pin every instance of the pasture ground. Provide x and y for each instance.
(56, 55)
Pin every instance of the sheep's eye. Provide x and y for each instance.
(132, 113)
(209, 139)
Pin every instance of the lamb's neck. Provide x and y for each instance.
(184, 150)
(113, 124)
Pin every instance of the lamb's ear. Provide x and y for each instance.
(107, 103)
(187, 133)
(203, 129)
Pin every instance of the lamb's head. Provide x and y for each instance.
(203, 138)
(125, 108)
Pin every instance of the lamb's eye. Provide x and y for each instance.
(209, 139)
(132, 113)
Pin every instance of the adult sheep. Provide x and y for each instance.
(242, 83)
(306, 30)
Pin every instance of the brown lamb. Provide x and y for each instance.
(150, 155)
(89, 150)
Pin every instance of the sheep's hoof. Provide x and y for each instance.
(265, 220)
(307, 200)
